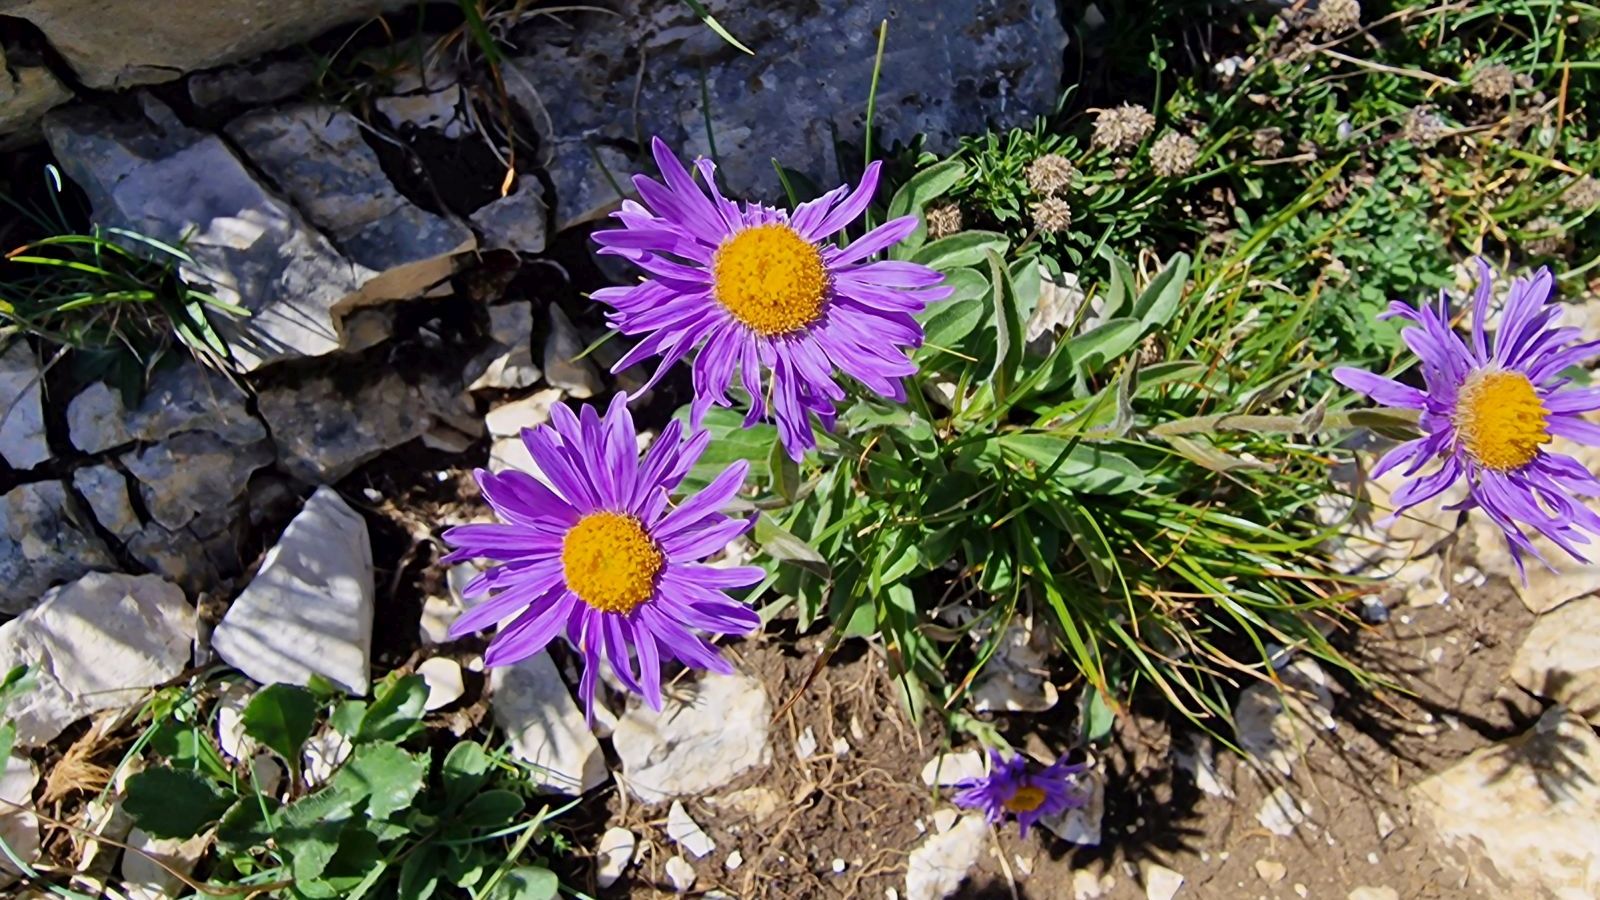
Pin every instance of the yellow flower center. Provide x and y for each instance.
(771, 279)
(1026, 799)
(610, 562)
(1501, 420)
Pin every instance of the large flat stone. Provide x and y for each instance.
(44, 540)
(309, 609)
(28, 90)
(698, 742)
(545, 726)
(317, 156)
(1529, 806)
(185, 397)
(950, 68)
(118, 43)
(153, 175)
(1560, 657)
(98, 643)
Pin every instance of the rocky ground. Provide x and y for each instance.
(417, 300)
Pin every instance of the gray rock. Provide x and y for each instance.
(1276, 724)
(22, 439)
(99, 643)
(158, 178)
(193, 473)
(317, 156)
(508, 365)
(698, 742)
(256, 84)
(118, 43)
(515, 221)
(309, 610)
(1560, 657)
(562, 367)
(950, 68)
(27, 92)
(106, 491)
(939, 867)
(1530, 805)
(324, 429)
(533, 706)
(43, 542)
(149, 867)
(508, 419)
(434, 103)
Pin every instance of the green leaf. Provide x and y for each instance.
(1096, 715)
(386, 775)
(245, 825)
(1092, 351)
(169, 803)
(419, 875)
(310, 850)
(785, 472)
(966, 248)
(782, 544)
(491, 809)
(281, 716)
(396, 713)
(1159, 302)
(1207, 456)
(730, 442)
(526, 883)
(950, 322)
(347, 716)
(465, 771)
(1007, 328)
(1086, 468)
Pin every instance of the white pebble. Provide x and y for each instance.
(838, 866)
(734, 861)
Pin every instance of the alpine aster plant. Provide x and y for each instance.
(1013, 788)
(1490, 411)
(760, 290)
(597, 551)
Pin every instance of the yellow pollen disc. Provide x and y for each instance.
(1501, 420)
(771, 279)
(1026, 799)
(610, 562)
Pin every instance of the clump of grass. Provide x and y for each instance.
(111, 301)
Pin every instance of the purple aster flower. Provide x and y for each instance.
(1489, 413)
(759, 289)
(1030, 796)
(595, 548)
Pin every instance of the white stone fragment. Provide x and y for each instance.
(939, 866)
(19, 826)
(546, 728)
(946, 769)
(508, 419)
(613, 855)
(445, 684)
(1280, 813)
(22, 439)
(687, 832)
(681, 874)
(309, 609)
(1160, 882)
(700, 741)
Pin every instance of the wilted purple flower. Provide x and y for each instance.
(1489, 413)
(1010, 788)
(759, 289)
(596, 549)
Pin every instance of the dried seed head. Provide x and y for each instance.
(1124, 127)
(1050, 215)
(1267, 142)
(1582, 195)
(943, 221)
(1173, 154)
(1151, 351)
(1547, 237)
(1050, 174)
(1493, 82)
(1423, 127)
(1334, 17)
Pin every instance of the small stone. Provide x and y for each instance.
(1016, 678)
(309, 609)
(681, 874)
(946, 769)
(141, 869)
(1373, 893)
(734, 861)
(939, 866)
(1201, 763)
(1275, 725)
(508, 420)
(545, 726)
(1160, 882)
(698, 742)
(841, 747)
(562, 367)
(106, 490)
(43, 542)
(436, 107)
(19, 826)
(22, 438)
(687, 833)
(508, 365)
(1085, 886)
(614, 854)
(756, 804)
(1280, 813)
(443, 676)
(1301, 890)
(1385, 825)
(437, 614)
(1271, 871)
(1560, 657)
(515, 221)
(838, 867)
(806, 746)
